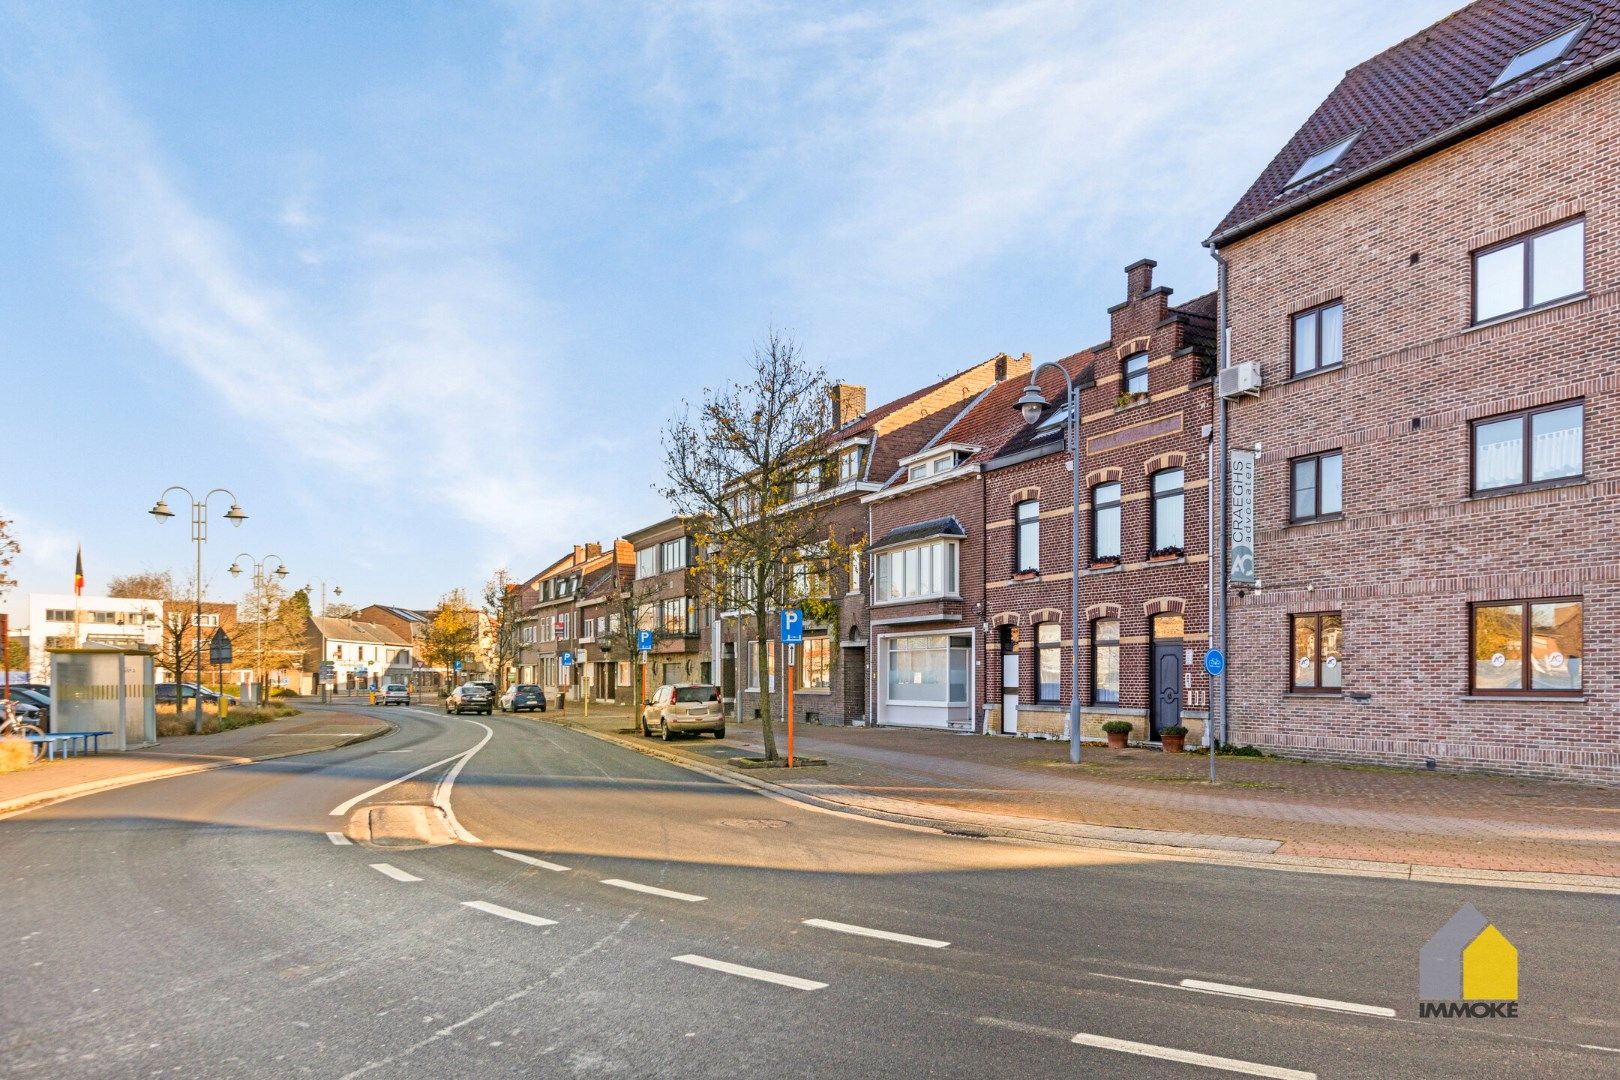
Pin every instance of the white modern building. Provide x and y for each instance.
(100, 620)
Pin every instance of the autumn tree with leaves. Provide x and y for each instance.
(452, 634)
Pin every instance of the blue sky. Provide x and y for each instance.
(422, 282)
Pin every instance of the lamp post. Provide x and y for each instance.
(1033, 404)
(280, 571)
(199, 536)
(337, 590)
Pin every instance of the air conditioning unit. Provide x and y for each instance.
(1243, 378)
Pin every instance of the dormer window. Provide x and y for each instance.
(849, 465)
(1544, 52)
(1321, 161)
(1136, 373)
(933, 466)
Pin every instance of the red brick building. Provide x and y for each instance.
(670, 603)
(1145, 423)
(1426, 280)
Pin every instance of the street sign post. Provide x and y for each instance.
(644, 643)
(219, 654)
(792, 626)
(644, 640)
(792, 635)
(1214, 667)
(1214, 662)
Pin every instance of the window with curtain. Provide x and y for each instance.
(925, 570)
(1105, 662)
(1048, 662)
(1528, 448)
(815, 663)
(1169, 510)
(1105, 521)
(1027, 543)
(927, 669)
(1319, 338)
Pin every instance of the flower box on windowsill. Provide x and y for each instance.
(1026, 575)
(1110, 563)
(1128, 401)
(1166, 554)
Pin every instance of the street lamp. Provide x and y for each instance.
(280, 571)
(337, 590)
(1032, 404)
(199, 536)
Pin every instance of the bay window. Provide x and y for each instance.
(919, 572)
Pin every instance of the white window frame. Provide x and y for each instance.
(887, 560)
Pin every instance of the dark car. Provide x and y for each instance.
(163, 693)
(40, 701)
(521, 696)
(469, 697)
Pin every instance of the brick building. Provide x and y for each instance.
(605, 665)
(1146, 406)
(669, 603)
(1427, 280)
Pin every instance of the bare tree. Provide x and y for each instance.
(501, 612)
(743, 468)
(9, 550)
(143, 585)
(271, 627)
(631, 608)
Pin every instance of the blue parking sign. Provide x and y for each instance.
(458, 665)
(792, 626)
(567, 659)
(644, 640)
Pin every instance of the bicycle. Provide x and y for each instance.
(12, 723)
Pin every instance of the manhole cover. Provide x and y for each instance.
(752, 823)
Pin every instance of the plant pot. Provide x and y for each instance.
(1173, 744)
(1116, 739)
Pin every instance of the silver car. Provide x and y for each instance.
(395, 693)
(684, 708)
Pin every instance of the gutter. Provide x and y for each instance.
(1570, 80)
(1217, 719)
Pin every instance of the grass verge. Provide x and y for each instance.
(170, 724)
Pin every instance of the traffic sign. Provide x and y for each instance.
(219, 648)
(1214, 662)
(456, 665)
(644, 640)
(792, 626)
(567, 659)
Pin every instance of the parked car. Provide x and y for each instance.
(164, 694)
(523, 696)
(395, 693)
(36, 687)
(682, 708)
(39, 701)
(469, 697)
(494, 691)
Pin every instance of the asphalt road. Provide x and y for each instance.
(228, 924)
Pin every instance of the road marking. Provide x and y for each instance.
(751, 973)
(441, 792)
(1189, 1057)
(652, 890)
(338, 838)
(344, 807)
(530, 859)
(508, 913)
(886, 935)
(1605, 1049)
(394, 872)
(1286, 999)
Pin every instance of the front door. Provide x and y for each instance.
(1166, 710)
(1009, 680)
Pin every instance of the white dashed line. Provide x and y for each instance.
(1286, 999)
(529, 859)
(338, 838)
(751, 973)
(508, 913)
(652, 890)
(394, 872)
(886, 935)
(1189, 1057)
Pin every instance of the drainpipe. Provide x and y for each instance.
(1217, 562)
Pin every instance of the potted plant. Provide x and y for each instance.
(1117, 731)
(1164, 554)
(1173, 738)
(1127, 399)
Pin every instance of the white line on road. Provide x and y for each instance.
(1189, 1057)
(1605, 1049)
(394, 872)
(751, 973)
(652, 890)
(338, 838)
(344, 807)
(508, 913)
(1287, 999)
(886, 935)
(530, 859)
(441, 793)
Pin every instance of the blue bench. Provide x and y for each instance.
(71, 742)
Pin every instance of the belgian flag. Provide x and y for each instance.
(78, 572)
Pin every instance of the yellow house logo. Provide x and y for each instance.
(1468, 969)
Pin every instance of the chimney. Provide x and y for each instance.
(848, 402)
(579, 554)
(1008, 368)
(1138, 278)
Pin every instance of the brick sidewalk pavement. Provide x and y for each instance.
(1298, 809)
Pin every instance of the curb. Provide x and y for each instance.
(21, 804)
(1422, 872)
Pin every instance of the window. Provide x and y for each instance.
(1105, 662)
(1027, 543)
(672, 554)
(916, 572)
(1169, 511)
(646, 562)
(753, 664)
(1316, 662)
(927, 669)
(1539, 55)
(1318, 340)
(1318, 486)
(932, 467)
(1505, 458)
(526, 634)
(814, 663)
(677, 616)
(849, 465)
(806, 483)
(1527, 647)
(1136, 373)
(1531, 271)
(1105, 521)
(855, 581)
(1048, 662)
(587, 630)
(1321, 161)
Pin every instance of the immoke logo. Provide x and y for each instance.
(1468, 970)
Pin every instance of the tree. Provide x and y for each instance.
(501, 611)
(271, 627)
(739, 470)
(631, 607)
(452, 632)
(338, 610)
(9, 550)
(143, 585)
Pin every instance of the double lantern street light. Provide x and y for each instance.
(1033, 405)
(280, 572)
(199, 536)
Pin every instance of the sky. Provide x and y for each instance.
(421, 283)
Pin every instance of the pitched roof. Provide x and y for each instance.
(350, 630)
(922, 530)
(1430, 89)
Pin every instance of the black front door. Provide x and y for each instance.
(1166, 710)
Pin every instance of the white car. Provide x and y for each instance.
(395, 693)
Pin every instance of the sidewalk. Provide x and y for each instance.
(1264, 807)
(49, 781)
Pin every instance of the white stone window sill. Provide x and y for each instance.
(1540, 699)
